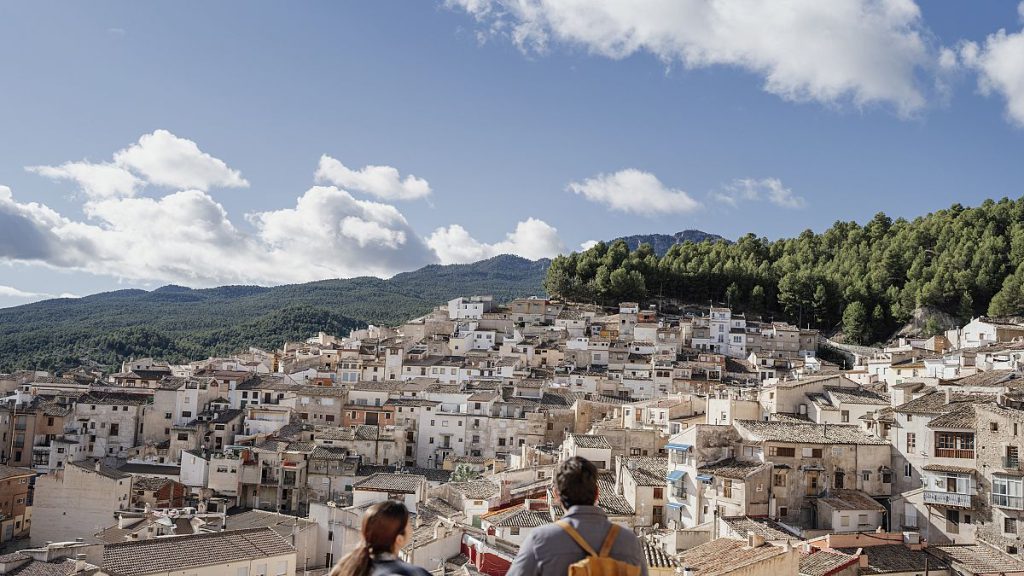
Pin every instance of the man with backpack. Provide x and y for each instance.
(583, 542)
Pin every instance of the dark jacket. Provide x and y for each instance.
(388, 565)
(549, 550)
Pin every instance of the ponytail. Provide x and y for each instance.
(355, 563)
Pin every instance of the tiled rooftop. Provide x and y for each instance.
(725, 555)
(807, 433)
(193, 551)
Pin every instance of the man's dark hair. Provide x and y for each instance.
(576, 481)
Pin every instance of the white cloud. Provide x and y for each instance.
(12, 292)
(763, 190)
(999, 62)
(160, 159)
(588, 245)
(532, 239)
(634, 191)
(866, 51)
(164, 159)
(188, 237)
(381, 181)
(95, 180)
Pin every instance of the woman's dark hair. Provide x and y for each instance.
(382, 524)
(576, 481)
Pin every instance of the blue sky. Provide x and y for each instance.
(226, 143)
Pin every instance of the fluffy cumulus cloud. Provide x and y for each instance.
(105, 180)
(999, 63)
(160, 158)
(864, 51)
(167, 160)
(764, 190)
(186, 236)
(531, 239)
(381, 181)
(636, 192)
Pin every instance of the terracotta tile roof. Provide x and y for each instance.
(193, 551)
(945, 468)
(978, 558)
(856, 396)
(807, 433)
(894, 558)
(393, 482)
(590, 441)
(824, 562)
(731, 468)
(475, 489)
(935, 402)
(517, 517)
(656, 556)
(610, 502)
(12, 472)
(763, 527)
(851, 500)
(961, 417)
(725, 555)
(646, 470)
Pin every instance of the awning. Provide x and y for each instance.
(705, 477)
(683, 447)
(674, 505)
(675, 475)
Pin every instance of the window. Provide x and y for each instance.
(865, 475)
(844, 520)
(167, 415)
(186, 413)
(910, 417)
(783, 511)
(784, 451)
(844, 416)
(727, 488)
(911, 441)
(954, 444)
(862, 519)
(514, 530)
(183, 436)
(1010, 525)
(908, 470)
(779, 479)
(1011, 549)
(659, 493)
(812, 452)
(886, 477)
(993, 426)
(115, 429)
(1008, 492)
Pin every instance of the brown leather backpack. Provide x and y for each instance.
(598, 564)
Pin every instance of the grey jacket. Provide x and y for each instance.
(549, 550)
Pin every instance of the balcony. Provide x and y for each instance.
(1006, 501)
(1012, 463)
(953, 499)
(953, 453)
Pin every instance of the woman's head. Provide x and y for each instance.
(385, 526)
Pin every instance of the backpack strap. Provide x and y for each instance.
(609, 540)
(576, 536)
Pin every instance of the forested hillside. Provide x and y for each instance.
(177, 323)
(868, 278)
(661, 243)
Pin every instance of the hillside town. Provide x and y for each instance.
(729, 445)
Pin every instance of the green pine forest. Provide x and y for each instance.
(865, 280)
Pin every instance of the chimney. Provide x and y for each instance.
(120, 521)
(949, 395)
(753, 540)
(862, 558)
(687, 571)
(96, 466)
(79, 563)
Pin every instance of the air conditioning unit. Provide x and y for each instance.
(911, 537)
